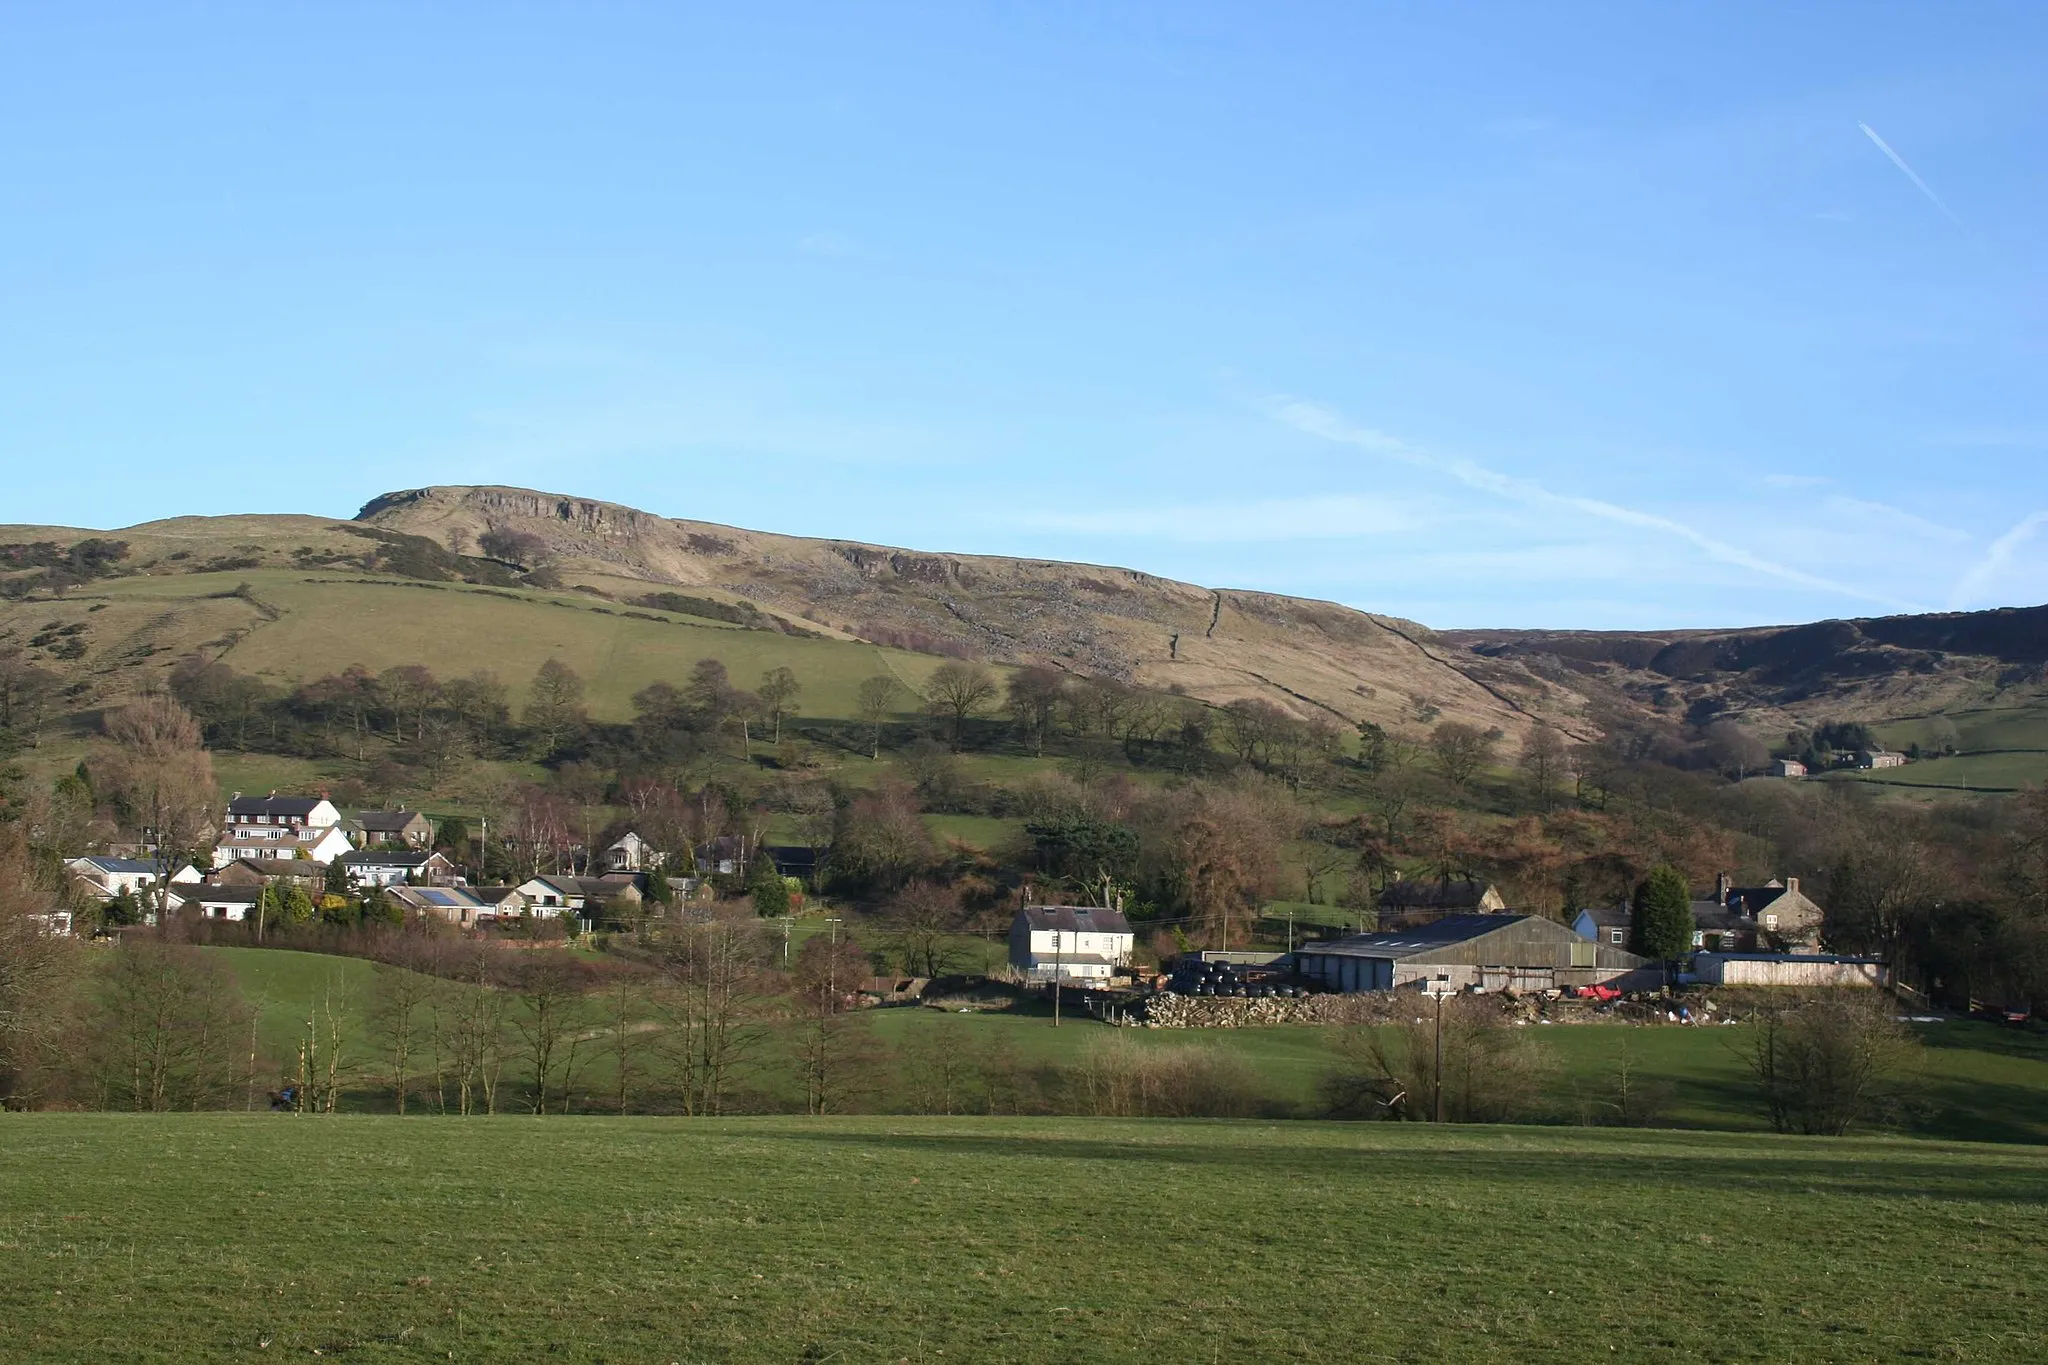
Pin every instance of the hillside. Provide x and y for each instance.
(1776, 677)
(292, 597)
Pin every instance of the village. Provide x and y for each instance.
(281, 860)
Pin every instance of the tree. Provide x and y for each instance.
(1462, 750)
(778, 692)
(1661, 925)
(770, 890)
(167, 1030)
(919, 925)
(1826, 1065)
(34, 966)
(161, 779)
(959, 691)
(554, 706)
(401, 1003)
(1034, 699)
(550, 1024)
(834, 1048)
(714, 1001)
(875, 700)
(1735, 751)
(1543, 766)
(1491, 1072)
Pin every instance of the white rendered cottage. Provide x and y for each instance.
(1070, 942)
(281, 827)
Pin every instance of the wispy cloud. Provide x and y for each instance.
(1332, 517)
(1796, 480)
(1319, 421)
(1913, 176)
(1970, 587)
(1894, 518)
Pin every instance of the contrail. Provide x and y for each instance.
(1913, 176)
(2001, 552)
(1320, 421)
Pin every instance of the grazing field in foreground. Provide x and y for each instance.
(212, 1237)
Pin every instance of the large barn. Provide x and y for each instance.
(1480, 952)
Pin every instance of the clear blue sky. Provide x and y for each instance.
(1508, 314)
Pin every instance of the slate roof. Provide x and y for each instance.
(386, 821)
(1423, 938)
(1464, 894)
(300, 806)
(1075, 919)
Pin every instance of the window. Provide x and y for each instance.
(1614, 935)
(1770, 921)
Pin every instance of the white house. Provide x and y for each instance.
(280, 827)
(1070, 942)
(113, 876)
(631, 853)
(380, 867)
(219, 902)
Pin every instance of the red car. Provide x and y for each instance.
(1602, 993)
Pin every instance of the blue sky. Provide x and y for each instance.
(1559, 315)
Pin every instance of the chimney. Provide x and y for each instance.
(1723, 884)
(1791, 886)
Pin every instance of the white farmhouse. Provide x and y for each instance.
(1070, 942)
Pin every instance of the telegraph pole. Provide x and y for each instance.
(1056, 973)
(1439, 988)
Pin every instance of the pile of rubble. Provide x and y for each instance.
(1172, 1010)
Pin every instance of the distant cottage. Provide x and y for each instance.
(1070, 942)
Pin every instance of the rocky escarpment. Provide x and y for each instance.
(1312, 658)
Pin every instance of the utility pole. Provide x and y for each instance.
(1290, 931)
(1056, 978)
(1439, 988)
(832, 969)
(788, 923)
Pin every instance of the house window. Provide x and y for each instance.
(1614, 935)
(1770, 921)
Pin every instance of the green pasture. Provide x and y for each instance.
(325, 621)
(253, 1237)
(1990, 772)
(1974, 1080)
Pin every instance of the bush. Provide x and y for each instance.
(1118, 1077)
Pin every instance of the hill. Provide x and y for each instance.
(583, 1239)
(634, 596)
(1776, 677)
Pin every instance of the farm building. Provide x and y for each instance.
(1786, 767)
(1462, 896)
(1482, 952)
(1786, 969)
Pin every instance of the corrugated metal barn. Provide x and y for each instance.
(1483, 952)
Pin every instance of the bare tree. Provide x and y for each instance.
(1823, 1066)
(166, 1030)
(401, 1009)
(835, 1051)
(959, 691)
(875, 701)
(550, 1021)
(1462, 750)
(920, 924)
(1034, 698)
(469, 1029)
(1543, 766)
(36, 963)
(714, 1001)
(1490, 1071)
(778, 692)
(554, 706)
(161, 778)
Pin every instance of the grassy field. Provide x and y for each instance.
(2000, 749)
(455, 629)
(1976, 1081)
(200, 1237)
(1994, 772)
